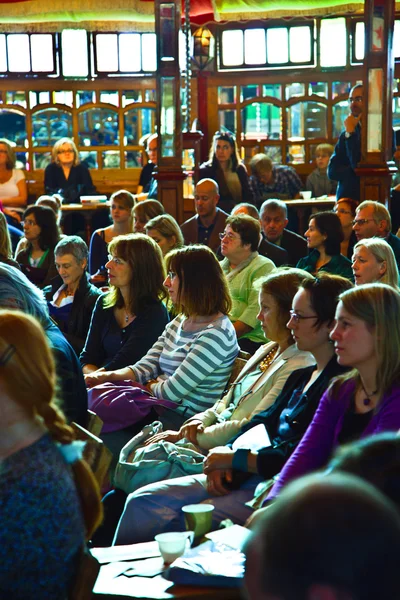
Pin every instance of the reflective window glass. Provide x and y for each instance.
(255, 49)
(333, 54)
(277, 45)
(226, 95)
(300, 44)
(41, 160)
(133, 159)
(227, 120)
(260, 120)
(295, 154)
(42, 53)
(232, 47)
(19, 60)
(294, 90)
(111, 159)
(13, 126)
(137, 123)
(74, 53)
(272, 89)
(89, 159)
(98, 127)
(306, 120)
(130, 96)
(49, 125)
(84, 97)
(340, 112)
(318, 89)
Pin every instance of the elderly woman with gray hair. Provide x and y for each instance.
(71, 297)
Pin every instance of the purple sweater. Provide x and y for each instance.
(321, 437)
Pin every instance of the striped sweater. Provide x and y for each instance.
(192, 367)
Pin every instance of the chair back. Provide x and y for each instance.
(94, 423)
(96, 454)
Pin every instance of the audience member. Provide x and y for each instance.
(165, 231)
(53, 202)
(13, 190)
(269, 181)
(373, 220)
(48, 507)
(130, 317)
(225, 167)
(273, 215)
(318, 182)
(347, 152)
(242, 265)
(144, 211)
(42, 235)
(121, 206)
(228, 483)
(278, 255)
(324, 235)
(146, 173)
(17, 292)
(345, 208)
(373, 261)
(375, 459)
(191, 361)
(5, 244)
(66, 175)
(366, 401)
(326, 538)
(209, 220)
(72, 297)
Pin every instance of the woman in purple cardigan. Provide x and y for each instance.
(365, 401)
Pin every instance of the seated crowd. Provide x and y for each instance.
(147, 324)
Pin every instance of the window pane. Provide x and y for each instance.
(255, 47)
(109, 97)
(84, 97)
(232, 47)
(13, 126)
(49, 125)
(42, 52)
(133, 159)
(273, 89)
(40, 161)
(131, 96)
(63, 98)
(227, 120)
(149, 52)
(274, 153)
(98, 127)
(396, 39)
(74, 55)
(300, 44)
(129, 52)
(107, 52)
(15, 98)
(333, 54)
(318, 89)
(294, 90)
(18, 53)
(226, 94)
(150, 95)
(111, 159)
(89, 159)
(359, 51)
(296, 153)
(137, 123)
(277, 45)
(340, 112)
(3, 54)
(340, 87)
(249, 91)
(261, 121)
(307, 120)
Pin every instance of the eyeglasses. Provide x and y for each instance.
(171, 275)
(65, 151)
(115, 260)
(297, 318)
(230, 236)
(361, 221)
(356, 99)
(341, 211)
(29, 222)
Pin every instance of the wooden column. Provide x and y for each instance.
(376, 167)
(169, 173)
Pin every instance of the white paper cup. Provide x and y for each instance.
(198, 518)
(173, 544)
(306, 195)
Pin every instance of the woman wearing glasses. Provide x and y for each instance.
(231, 475)
(345, 208)
(191, 361)
(129, 318)
(42, 234)
(324, 236)
(66, 175)
(224, 167)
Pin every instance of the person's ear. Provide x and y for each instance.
(383, 267)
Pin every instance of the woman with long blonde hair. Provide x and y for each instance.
(49, 499)
(373, 261)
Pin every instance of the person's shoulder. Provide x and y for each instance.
(189, 222)
(261, 262)
(393, 241)
(293, 236)
(18, 174)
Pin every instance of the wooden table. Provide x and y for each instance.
(112, 583)
(87, 211)
(314, 203)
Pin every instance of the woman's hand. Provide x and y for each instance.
(165, 436)
(190, 431)
(97, 377)
(216, 481)
(218, 458)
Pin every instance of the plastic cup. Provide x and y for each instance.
(306, 195)
(198, 518)
(173, 544)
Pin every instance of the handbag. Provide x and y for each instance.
(120, 404)
(140, 465)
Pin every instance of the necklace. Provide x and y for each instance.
(268, 360)
(367, 399)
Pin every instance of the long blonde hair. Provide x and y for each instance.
(382, 252)
(27, 372)
(5, 241)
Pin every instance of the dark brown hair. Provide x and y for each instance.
(324, 293)
(247, 227)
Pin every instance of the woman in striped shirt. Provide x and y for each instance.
(191, 361)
